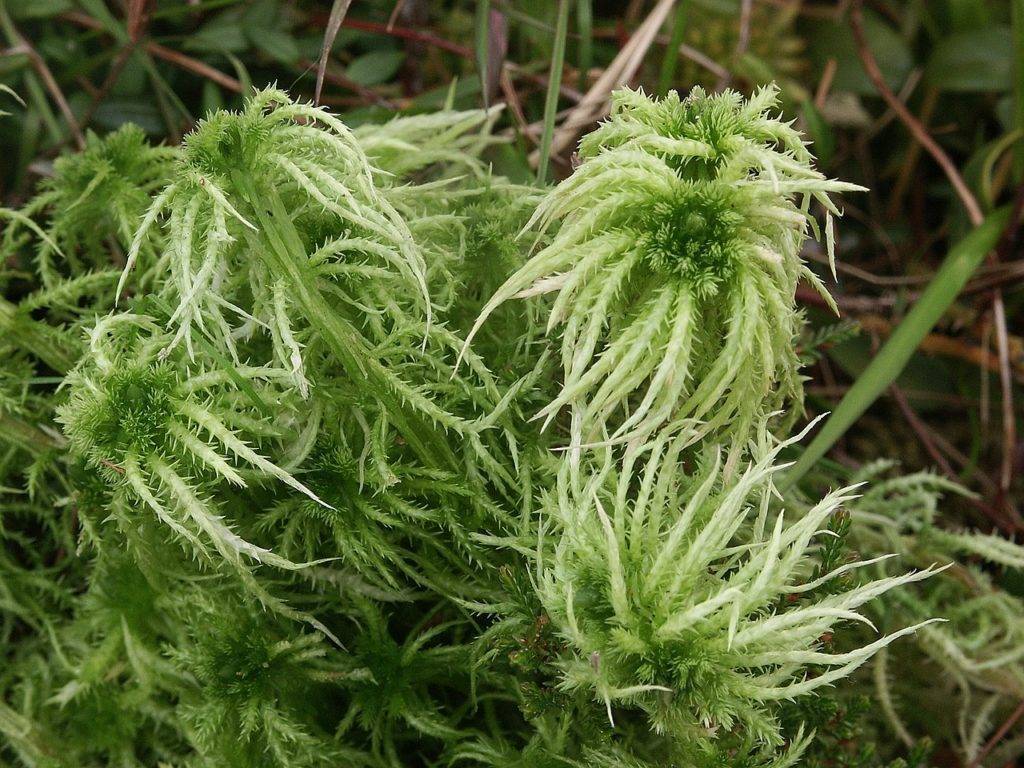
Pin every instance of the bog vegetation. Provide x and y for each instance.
(334, 438)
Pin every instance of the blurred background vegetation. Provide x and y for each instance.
(918, 100)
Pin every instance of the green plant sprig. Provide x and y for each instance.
(675, 267)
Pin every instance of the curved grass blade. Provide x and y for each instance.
(954, 273)
(338, 11)
(554, 84)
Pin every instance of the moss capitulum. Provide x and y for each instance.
(693, 237)
(130, 412)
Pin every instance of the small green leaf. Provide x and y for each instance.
(974, 61)
(262, 14)
(113, 112)
(222, 34)
(213, 99)
(280, 46)
(375, 67)
(554, 83)
(833, 40)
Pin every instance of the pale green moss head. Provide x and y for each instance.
(675, 266)
(276, 182)
(688, 596)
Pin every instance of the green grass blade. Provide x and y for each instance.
(957, 269)
(554, 83)
(585, 30)
(338, 11)
(671, 60)
(482, 44)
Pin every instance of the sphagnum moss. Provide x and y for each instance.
(675, 267)
(283, 528)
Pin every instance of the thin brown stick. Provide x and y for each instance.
(116, 68)
(395, 13)
(138, 19)
(903, 180)
(905, 92)
(367, 94)
(1009, 419)
(933, 442)
(1004, 729)
(177, 58)
(566, 91)
(907, 117)
(967, 466)
(686, 51)
(923, 433)
(136, 25)
(939, 344)
(416, 35)
(742, 42)
(406, 33)
(975, 215)
(835, 391)
(39, 65)
(933, 343)
(1005, 246)
(194, 66)
(828, 74)
(337, 16)
(515, 106)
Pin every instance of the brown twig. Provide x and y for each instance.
(416, 35)
(946, 346)
(1009, 419)
(905, 92)
(848, 304)
(923, 433)
(907, 117)
(865, 309)
(903, 180)
(194, 66)
(1004, 729)
(836, 391)
(137, 19)
(367, 94)
(111, 465)
(116, 68)
(177, 58)
(828, 74)
(39, 65)
(565, 91)
(931, 442)
(395, 13)
(515, 107)
(337, 16)
(410, 34)
(742, 42)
